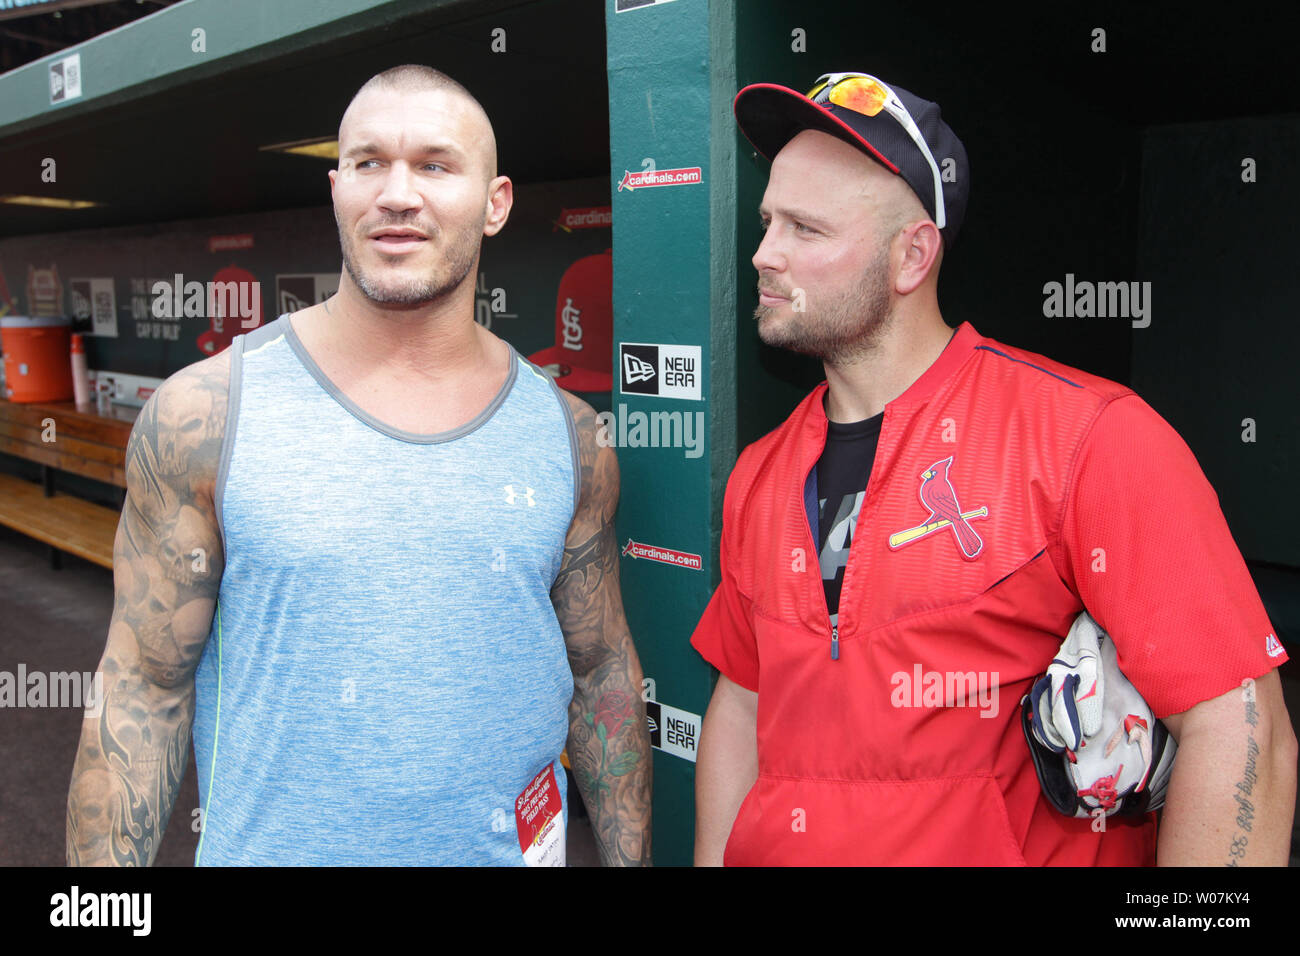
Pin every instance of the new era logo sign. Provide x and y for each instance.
(671, 730)
(65, 78)
(668, 371)
(636, 369)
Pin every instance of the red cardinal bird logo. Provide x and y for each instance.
(937, 495)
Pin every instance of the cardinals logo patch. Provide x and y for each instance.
(937, 495)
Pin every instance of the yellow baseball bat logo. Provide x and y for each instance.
(899, 538)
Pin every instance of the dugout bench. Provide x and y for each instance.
(60, 437)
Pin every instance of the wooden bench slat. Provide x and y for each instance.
(45, 455)
(68, 523)
(88, 444)
(112, 429)
(93, 451)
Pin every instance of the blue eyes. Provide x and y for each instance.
(435, 166)
(765, 224)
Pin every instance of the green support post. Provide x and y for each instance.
(672, 162)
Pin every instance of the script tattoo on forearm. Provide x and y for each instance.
(609, 746)
(1245, 787)
(167, 566)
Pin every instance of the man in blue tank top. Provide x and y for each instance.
(367, 561)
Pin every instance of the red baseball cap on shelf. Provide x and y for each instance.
(214, 339)
(581, 359)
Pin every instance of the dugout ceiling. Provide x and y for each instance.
(163, 133)
(191, 124)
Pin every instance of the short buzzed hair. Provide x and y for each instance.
(417, 78)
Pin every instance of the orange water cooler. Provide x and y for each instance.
(38, 366)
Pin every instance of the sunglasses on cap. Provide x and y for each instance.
(867, 95)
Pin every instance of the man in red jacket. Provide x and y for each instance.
(902, 557)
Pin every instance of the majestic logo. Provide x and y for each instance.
(937, 495)
(1273, 646)
(636, 370)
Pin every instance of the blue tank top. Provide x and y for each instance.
(385, 674)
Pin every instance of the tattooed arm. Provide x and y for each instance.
(1232, 794)
(609, 745)
(167, 564)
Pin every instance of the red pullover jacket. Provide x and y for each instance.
(897, 740)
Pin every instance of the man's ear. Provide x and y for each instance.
(500, 199)
(919, 248)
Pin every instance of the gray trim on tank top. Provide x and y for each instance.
(573, 436)
(256, 338)
(367, 419)
(282, 326)
(228, 432)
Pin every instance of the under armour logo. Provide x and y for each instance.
(511, 496)
(635, 369)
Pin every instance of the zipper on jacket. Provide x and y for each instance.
(835, 628)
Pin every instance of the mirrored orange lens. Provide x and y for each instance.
(861, 94)
(812, 94)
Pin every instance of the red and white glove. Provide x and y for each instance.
(1067, 700)
(1094, 740)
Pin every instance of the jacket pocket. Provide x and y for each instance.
(942, 821)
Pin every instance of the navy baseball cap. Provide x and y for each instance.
(899, 130)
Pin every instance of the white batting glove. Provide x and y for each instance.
(1067, 700)
(1095, 753)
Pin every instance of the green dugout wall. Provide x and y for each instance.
(672, 181)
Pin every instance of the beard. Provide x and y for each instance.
(461, 251)
(838, 328)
